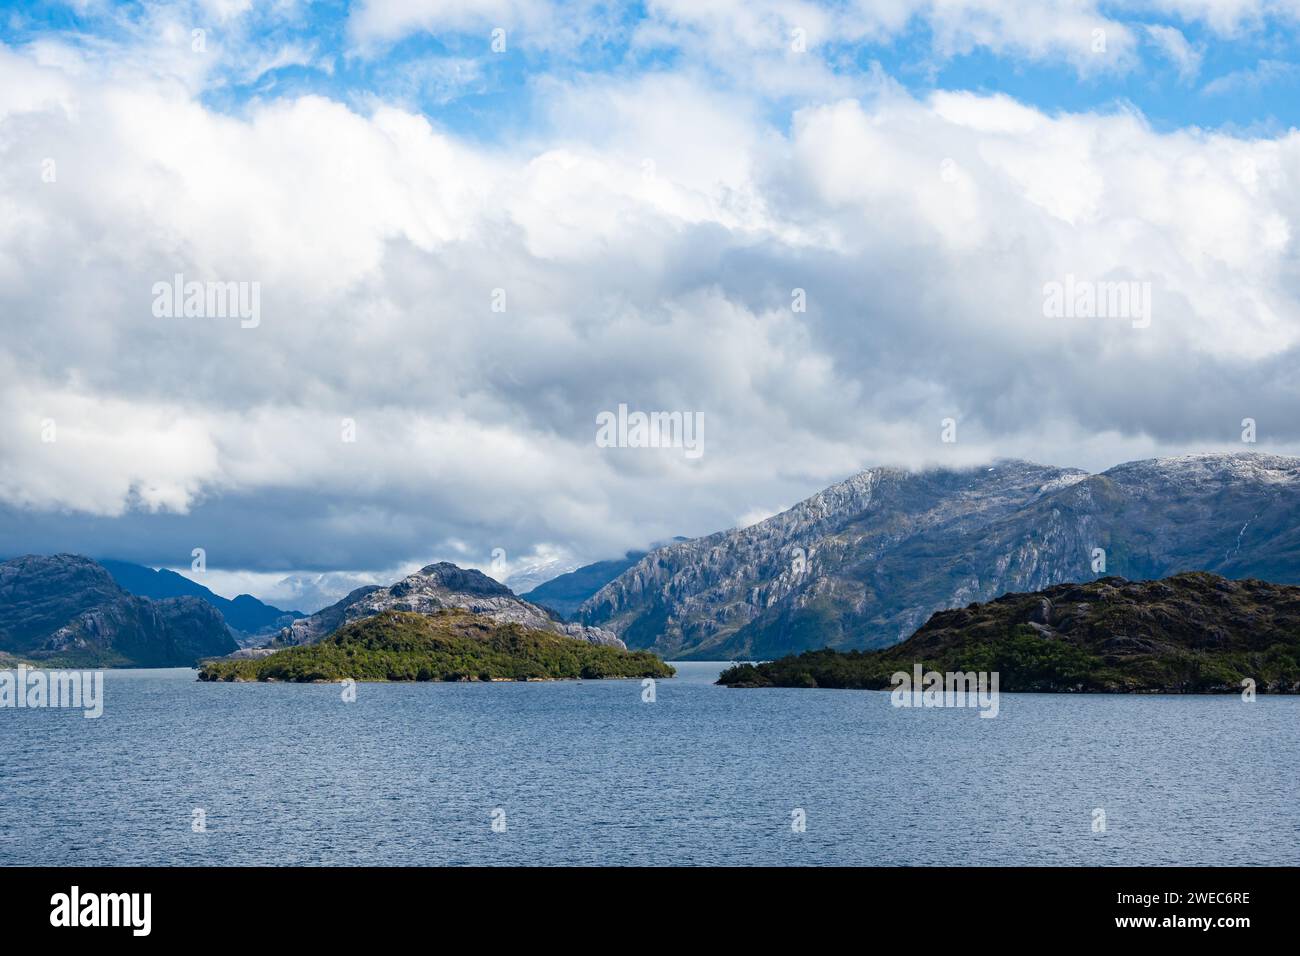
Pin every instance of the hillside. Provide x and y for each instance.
(1191, 633)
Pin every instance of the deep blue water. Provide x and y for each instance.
(587, 773)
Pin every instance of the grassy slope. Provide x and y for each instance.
(1191, 633)
(452, 646)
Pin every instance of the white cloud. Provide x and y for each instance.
(1175, 48)
(922, 233)
(289, 54)
(527, 24)
(787, 36)
(1249, 80)
(1224, 17)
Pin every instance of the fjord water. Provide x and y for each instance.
(587, 773)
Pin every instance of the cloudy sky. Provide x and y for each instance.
(475, 225)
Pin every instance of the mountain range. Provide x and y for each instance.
(66, 610)
(248, 618)
(864, 563)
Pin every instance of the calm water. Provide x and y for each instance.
(588, 773)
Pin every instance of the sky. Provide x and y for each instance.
(834, 235)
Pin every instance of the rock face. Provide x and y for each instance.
(433, 589)
(67, 609)
(864, 563)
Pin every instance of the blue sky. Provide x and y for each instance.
(648, 186)
(1242, 75)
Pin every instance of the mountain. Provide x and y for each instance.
(67, 610)
(529, 573)
(566, 592)
(885, 549)
(446, 645)
(1191, 633)
(245, 614)
(432, 589)
(314, 591)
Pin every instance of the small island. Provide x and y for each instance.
(452, 645)
(1193, 633)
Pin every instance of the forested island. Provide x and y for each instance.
(1190, 633)
(451, 645)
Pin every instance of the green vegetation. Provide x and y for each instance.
(1192, 633)
(451, 646)
(10, 661)
(1024, 660)
(90, 658)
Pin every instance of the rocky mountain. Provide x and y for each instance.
(247, 617)
(867, 561)
(1190, 633)
(68, 610)
(433, 589)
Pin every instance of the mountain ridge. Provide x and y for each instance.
(248, 617)
(885, 548)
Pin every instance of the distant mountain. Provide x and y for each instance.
(68, 610)
(244, 613)
(865, 562)
(566, 593)
(529, 573)
(1191, 633)
(313, 591)
(447, 645)
(431, 590)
